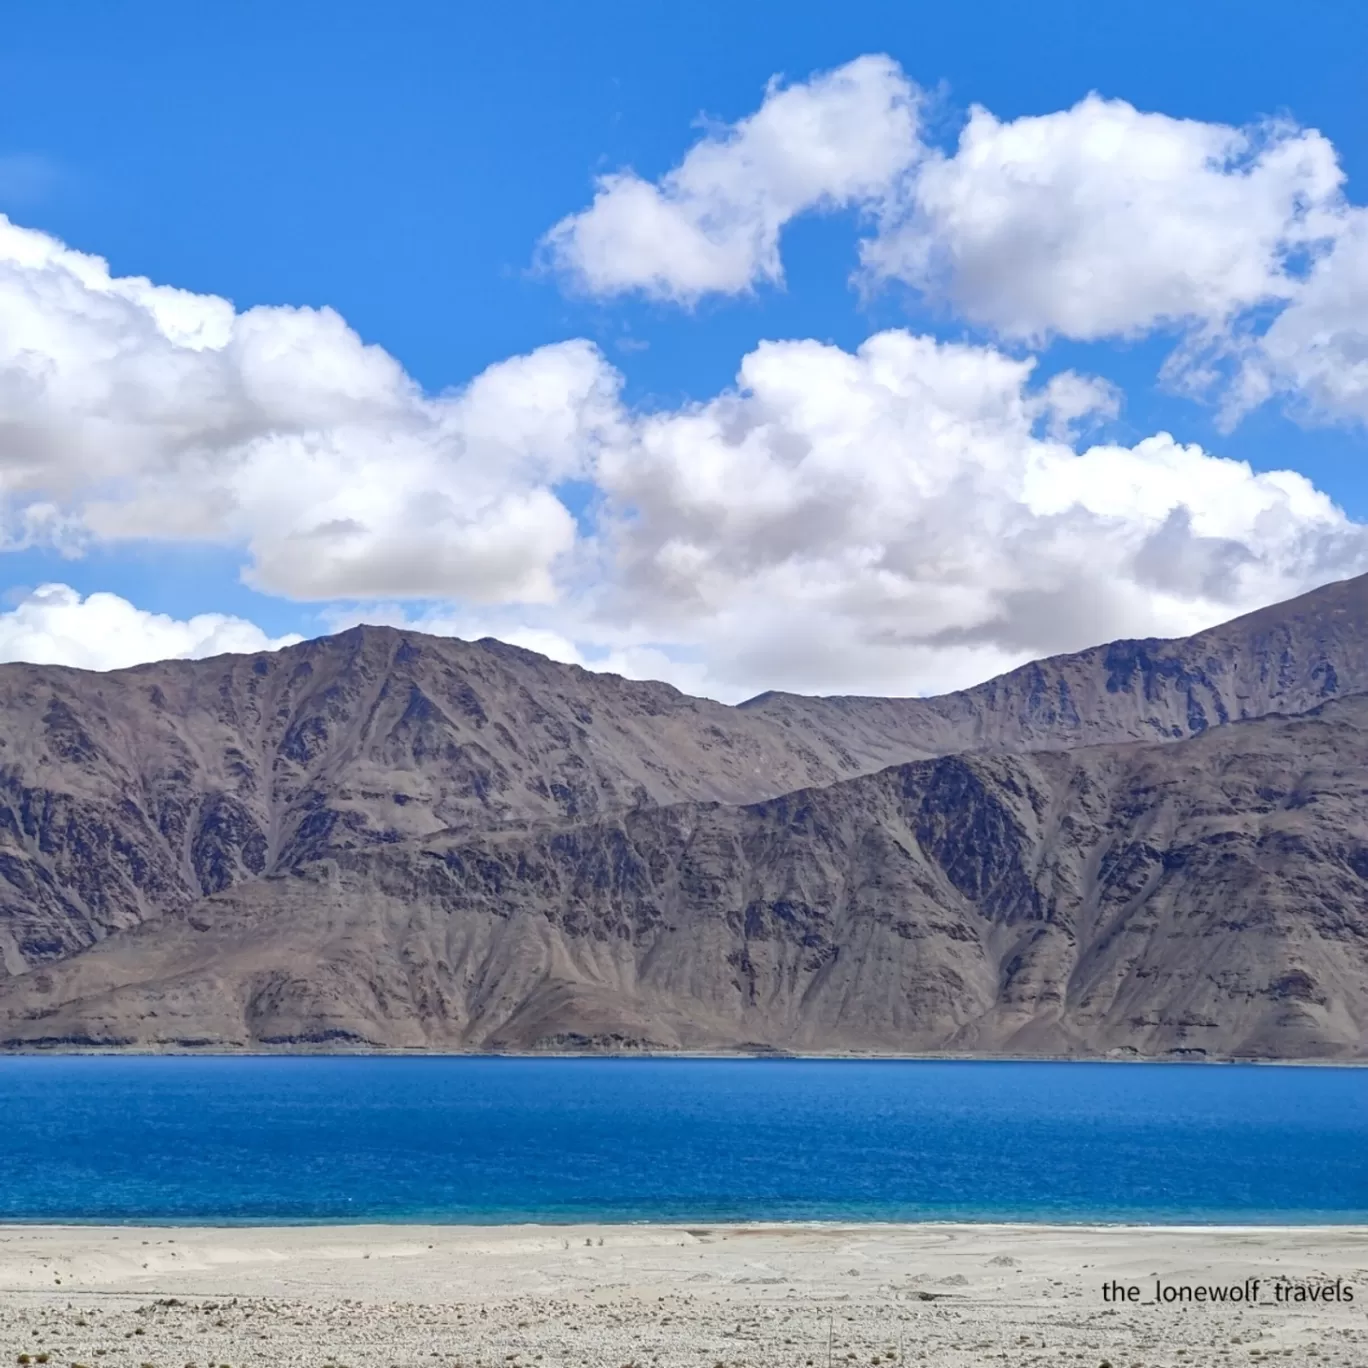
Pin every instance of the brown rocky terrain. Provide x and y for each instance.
(387, 839)
(1208, 898)
(130, 794)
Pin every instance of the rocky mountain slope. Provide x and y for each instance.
(1283, 659)
(304, 804)
(1208, 898)
(130, 794)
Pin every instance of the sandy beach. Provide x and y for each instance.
(517, 1296)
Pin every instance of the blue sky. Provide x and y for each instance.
(400, 165)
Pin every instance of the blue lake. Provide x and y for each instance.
(496, 1140)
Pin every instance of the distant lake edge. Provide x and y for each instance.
(331, 1051)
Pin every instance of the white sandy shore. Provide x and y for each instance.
(522, 1296)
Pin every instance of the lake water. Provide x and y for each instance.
(497, 1140)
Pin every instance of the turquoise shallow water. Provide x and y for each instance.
(500, 1140)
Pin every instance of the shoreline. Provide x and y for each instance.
(557, 1229)
(798, 1225)
(775, 1056)
(941, 1294)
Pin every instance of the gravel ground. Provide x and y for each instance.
(515, 1297)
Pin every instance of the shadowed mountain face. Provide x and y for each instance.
(390, 839)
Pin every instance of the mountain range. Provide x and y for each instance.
(381, 839)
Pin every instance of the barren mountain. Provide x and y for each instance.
(1206, 898)
(1284, 659)
(129, 794)
(391, 839)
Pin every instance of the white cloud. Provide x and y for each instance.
(901, 519)
(1094, 222)
(130, 410)
(1101, 220)
(54, 625)
(1315, 352)
(910, 517)
(712, 224)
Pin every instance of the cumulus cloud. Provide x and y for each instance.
(130, 410)
(1096, 221)
(1103, 220)
(712, 224)
(54, 625)
(1093, 222)
(908, 516)
(1315, 352)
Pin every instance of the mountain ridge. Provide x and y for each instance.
(135, 802)
(1044, 938)
(1181, 676)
